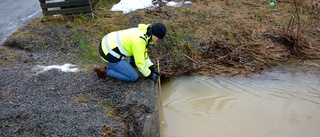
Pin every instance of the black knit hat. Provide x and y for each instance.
(159, 30)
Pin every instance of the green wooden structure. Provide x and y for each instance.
(67, 7)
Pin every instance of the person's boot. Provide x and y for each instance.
(101, 71)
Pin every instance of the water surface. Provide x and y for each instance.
(281, 103)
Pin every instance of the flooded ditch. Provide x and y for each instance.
(279, 103)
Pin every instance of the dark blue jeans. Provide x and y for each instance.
(122, 70)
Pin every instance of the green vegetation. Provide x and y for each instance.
(87, 53)
(108, 108)
(204, 38)
(105, 104)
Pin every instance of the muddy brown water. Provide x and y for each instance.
(280, 103)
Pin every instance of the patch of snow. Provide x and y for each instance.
(187, 2)
(131, 5)
(127, 6)
(174, 4)
(177, 4)
(65, 68)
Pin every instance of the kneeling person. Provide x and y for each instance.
(132, 42)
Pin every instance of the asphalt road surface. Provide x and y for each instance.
(15, 14)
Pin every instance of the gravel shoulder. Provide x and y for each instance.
(45, 104)
(56, 103)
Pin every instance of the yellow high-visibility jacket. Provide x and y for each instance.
(130, 42)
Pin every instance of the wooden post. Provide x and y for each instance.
(44, 10)
(159, 83)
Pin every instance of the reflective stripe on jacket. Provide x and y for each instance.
(130, 42)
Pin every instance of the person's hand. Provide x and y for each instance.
(154, 70)
(153, 77)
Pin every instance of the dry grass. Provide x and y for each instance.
(210, 37)
(7, 55)
(239, 37)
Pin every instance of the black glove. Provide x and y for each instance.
(153, 77)
(131, 61)
(133, 64)
(154, 70)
